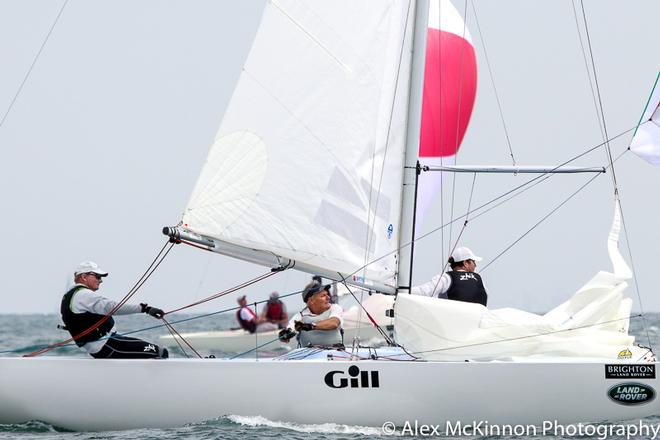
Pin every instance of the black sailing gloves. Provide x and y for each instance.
(153, 311)
(286, 334)
(304, 326)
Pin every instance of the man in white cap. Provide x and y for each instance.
(82, 308)
(459, 284)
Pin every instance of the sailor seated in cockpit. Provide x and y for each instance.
(319, 323)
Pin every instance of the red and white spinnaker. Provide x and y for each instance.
(450, 85)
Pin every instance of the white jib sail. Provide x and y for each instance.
(308, 160)
(592, 323)
(646, 141)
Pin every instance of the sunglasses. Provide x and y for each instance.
(95, 275)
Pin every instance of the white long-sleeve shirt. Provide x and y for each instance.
(86, 300)
(437, 287)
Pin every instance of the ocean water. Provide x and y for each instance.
(20, 334)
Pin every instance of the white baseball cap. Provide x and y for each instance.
(463, 253)
(90, 267)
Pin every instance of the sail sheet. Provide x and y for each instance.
(308, 160)
(646, 141)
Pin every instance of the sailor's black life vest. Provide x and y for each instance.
(77, 323)
(467, 287)
(250, 326)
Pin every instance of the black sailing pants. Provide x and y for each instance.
(123, 347)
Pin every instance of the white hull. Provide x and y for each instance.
(237, 341)
(151, 393)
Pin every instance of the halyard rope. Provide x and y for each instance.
(34, 62)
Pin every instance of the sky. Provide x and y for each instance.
(102, 144)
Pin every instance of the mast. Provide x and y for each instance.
(412, 146)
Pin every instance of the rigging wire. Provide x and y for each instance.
(545, 217)
(586, 68)
(610, 159)
(495, 199)
(460, 234)
(456, 140)
(34, 62)
(589, 181)
(173, 332)
(174, 337)
(372, 213)
(634, 271)
(492, 81)
(373, 321)
(254, 349)
(225, 292)
(442, 196)
(600, 100)
(210, 298)
(153, 327)
(304, 354)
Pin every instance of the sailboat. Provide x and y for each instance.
(314, 169)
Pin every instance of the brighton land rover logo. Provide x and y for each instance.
(631, 393)
(629, 371)
(355, 379)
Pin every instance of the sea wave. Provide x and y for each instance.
(322, 428)
(31, 426)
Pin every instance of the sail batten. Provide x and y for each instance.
(316, 121)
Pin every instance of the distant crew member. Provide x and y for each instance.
(319, 323)
(275, 311)
(82, 308)
(249, 320)
(459, 284)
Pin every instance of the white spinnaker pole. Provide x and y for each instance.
(407, 223)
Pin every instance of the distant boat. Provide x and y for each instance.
(239, 340)
(314, 168)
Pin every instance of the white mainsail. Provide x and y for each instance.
(308, 161)
(646, 141)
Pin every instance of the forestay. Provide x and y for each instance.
(308, 160)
